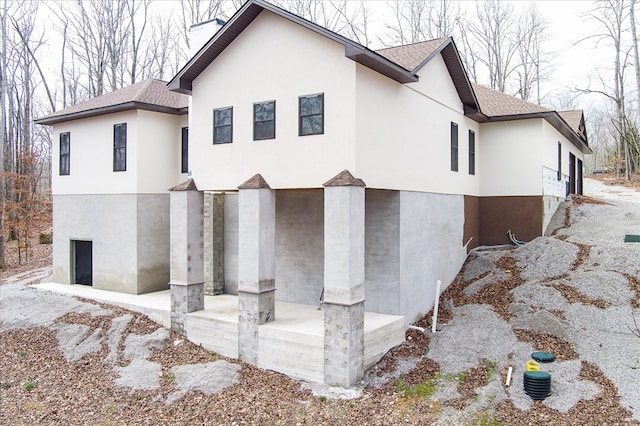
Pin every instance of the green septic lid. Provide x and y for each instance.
(537, 374)
(543, 356)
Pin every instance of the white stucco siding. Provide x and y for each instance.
(511, 157)
(274, 59)
(550, 149)
(159, 151)
(435, 82)
(91, 156)
(153, 154)
(403, 134)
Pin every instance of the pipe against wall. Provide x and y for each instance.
(435, 307)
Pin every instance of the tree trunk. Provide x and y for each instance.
(3, 131)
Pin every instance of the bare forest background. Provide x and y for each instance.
(57, 54)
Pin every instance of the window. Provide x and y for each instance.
(264, 120)
(454, 147)
(65, 153)
(472, 152)
(120, 147)
(311, 115)
(223, 125)
(185, 150)
(559, 161)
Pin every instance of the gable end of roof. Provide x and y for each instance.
(182, 82)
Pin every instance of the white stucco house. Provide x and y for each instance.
(317, 168)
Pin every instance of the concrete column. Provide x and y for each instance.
(187, 255)
(213, 243)
(343, 280)
(256, 263)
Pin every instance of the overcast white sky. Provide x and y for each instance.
(574, 64)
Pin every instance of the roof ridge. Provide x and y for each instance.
(412, 44)
(144, 86)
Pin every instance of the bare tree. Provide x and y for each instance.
(636, 58)
(3, 121)
(531, 34)
(347, 18)
(419, 20)
(163, 48)
(611, 17)
(136, 36)
(494, 34)
(196, 11)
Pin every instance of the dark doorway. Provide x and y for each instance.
(82, 252)
(579, 180)
(572, 174)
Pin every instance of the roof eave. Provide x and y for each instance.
(109, 110)
(567, 131)
(377, 63)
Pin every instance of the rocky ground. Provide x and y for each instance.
(574, 293)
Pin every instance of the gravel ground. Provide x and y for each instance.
(66, 360)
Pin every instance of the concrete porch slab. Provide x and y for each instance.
(293, 344)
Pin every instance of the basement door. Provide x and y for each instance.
(82, 258)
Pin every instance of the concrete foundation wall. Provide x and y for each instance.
(153, 242)
(382, 251)
(549, 206)
(130, 236)
(230, 243)
(299, 245)
(431, 231)
(213, 243)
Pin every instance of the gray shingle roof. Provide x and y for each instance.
(573, 119)
(494, 103)
(410, 56)
(149, 94)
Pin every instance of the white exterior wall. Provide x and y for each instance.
(153, 154)
(91, 155)
(511, 159)
(550, 149)
(160, 151)
(403, 133)
(294, 61)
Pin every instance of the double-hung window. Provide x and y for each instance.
(120, 147)
(311, 115)
(454, 147)
(223, 125)
(472, 152)
(264, 120)
(185, 151)
(65, 153)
